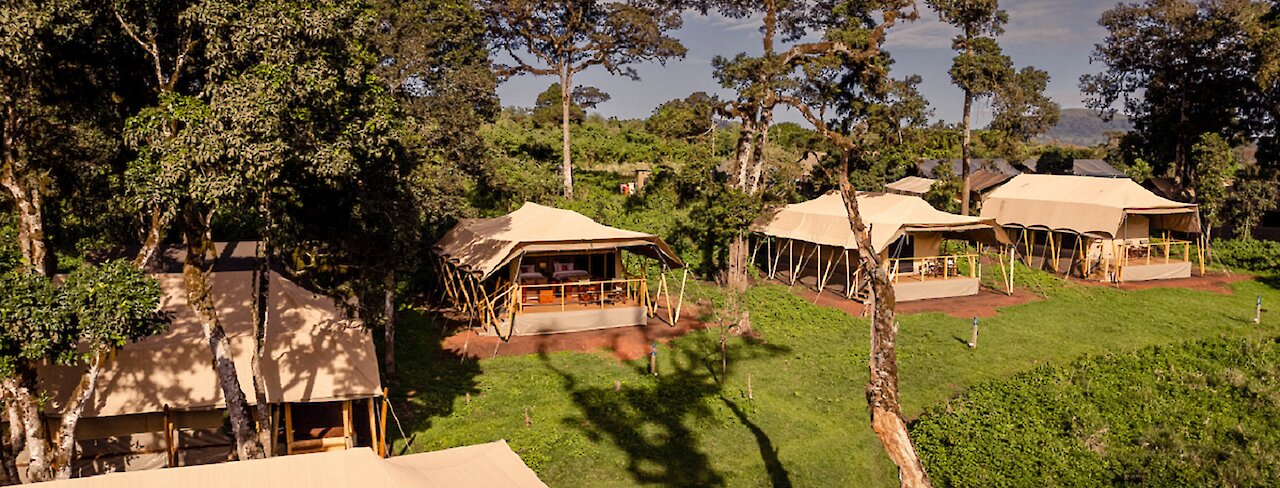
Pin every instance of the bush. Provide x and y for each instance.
(1252, 255)
(1195, 414)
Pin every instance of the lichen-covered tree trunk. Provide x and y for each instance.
(882, 387)
(566, 163)
(196, 271)
(65, 439)
(25, 417)
(261, 318)
(965, 155)
(389, 321)
(30, 210)
(155, 235)
(762, 142)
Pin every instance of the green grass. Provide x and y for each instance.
(807, 424)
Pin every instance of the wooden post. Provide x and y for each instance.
(373, 427)
(973, 339)
(1051, 254)
(288, 428)
(680, 303)
(1257, 311)
(348, 432)
(382, 425)
(653, 359)
(848, 285)
(171, 458)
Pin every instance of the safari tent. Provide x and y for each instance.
(158, 404)
(813, 244)
(478, 466)
(541, 270)
(1110, 229)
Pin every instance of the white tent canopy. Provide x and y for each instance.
(483, 246)
(478, 466)
(1084, 205)
(824, 220)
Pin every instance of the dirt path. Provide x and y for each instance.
(625, 343)
(984, 304)
(1214, 282)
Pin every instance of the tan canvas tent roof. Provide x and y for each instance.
(313, 353)
(479, 466)
(1084, 205)
(911, 185)
(482, 246)
(825, 221)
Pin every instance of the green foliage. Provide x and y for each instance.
(1139, 171)
(944, 195)
(1056, 161)
(1199, 414)
(1215, 164)
(97, 307)
(1254, 195)
(1022, 110)
(1248, 254)
(683, 118)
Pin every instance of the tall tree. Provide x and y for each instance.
(1022, 110)
(435, 64)
(1181, 68)
(979, 67)
(844, 68)
(1216, 165)
(566, 37)
(80, 323)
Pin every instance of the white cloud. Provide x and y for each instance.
(1031, 23)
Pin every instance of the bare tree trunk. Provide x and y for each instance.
(762, 138)
(16, 439)
(65, 441)
(736, 274)
(261, 318)
(389, 321)
(155, 235)
(882, 389)
(196, 273)
(745, 152)
(566, 164)
(30, 205)
(965, 142)
(25, 415)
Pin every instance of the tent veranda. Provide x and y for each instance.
(813, 240)
(158, 403)
(544, 270)
(1106, 226)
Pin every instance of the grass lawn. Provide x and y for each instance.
(585, 419)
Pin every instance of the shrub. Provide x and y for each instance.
(1252, 255)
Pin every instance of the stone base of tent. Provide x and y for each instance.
(907, 291)
(1164, 271)
(574, 320)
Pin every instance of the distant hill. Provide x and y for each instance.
(1083, 127)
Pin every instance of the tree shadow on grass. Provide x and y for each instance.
(650, 418)
(429, 379)
(777, 472)
(1272, 280)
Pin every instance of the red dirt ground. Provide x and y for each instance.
(625, 343)
(1214, 282)
(984, 304)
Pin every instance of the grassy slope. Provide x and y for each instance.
(807, 425)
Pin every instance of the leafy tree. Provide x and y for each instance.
(1216, 164)
(98, 310)
(683, 118)
(1140, 171)
(1254, 196)
(547, 110)
(1180, 68)
(979, 68)
(1022, 111)
(944, 195)
(1056, 161)
(566, 37)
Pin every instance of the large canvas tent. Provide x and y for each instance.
(1110, 221)
(813, 240)
(158, 403)
(544, 270)
(478, 466)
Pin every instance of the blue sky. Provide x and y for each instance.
(1056, 36)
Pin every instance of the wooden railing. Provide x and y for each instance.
(601, 292)
(1124, 254)
(938, 267)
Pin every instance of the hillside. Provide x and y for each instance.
(1083, 127)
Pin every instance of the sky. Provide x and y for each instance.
(1053, 35)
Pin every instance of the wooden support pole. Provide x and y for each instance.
(348, 433)
(288, 428)
(680, 303)
(171, 454)
(373, 426)
(382, 424)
